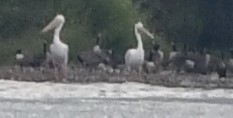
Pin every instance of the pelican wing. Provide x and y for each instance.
(128, 55)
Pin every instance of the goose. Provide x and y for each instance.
(26, 59)
(157, 55)
(182, 61)
(40, 59)
(58, 50)
(155, 59)
(189, 61)
(149, 65)
(117, 63)
(96, 48)
(19, 56)
(205, 63)
(221, 67)
(174, 51)
(176, 59)
(96, 56)
(48, 59)
(230, 63)
(189, 65)
(134, 57)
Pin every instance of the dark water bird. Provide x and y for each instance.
(47, 56)
(176, 59)
(19, 57)
(188, 60)
(189, 65)
(116, 60)
(149, 65)
(155, 59)
(26, 59)
(174, 51)
(230, 63)
(97, 48)
(95, 56)
(157, 55)
(221, 67)
(188, 54)
(201, 61)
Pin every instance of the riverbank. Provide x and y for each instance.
(83, 75)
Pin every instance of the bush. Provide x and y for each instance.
(21, 21)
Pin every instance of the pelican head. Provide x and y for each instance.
(59, 20)
(141, 28)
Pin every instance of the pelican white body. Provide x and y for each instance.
(59, 53)
(134, 58)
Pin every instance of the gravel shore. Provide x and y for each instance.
(84, 75)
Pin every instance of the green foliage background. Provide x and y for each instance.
(21, 22)
(200, 23)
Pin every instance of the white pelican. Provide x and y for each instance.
(58, 50)
(134, 58)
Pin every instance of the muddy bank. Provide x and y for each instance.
(84, 75)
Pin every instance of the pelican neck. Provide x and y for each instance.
(139, 39)
(57, 31)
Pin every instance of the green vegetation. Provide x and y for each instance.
(21, 22)
(200, 23)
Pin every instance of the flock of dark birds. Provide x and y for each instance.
(191, 61)
(179, 60)
(183, 60)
